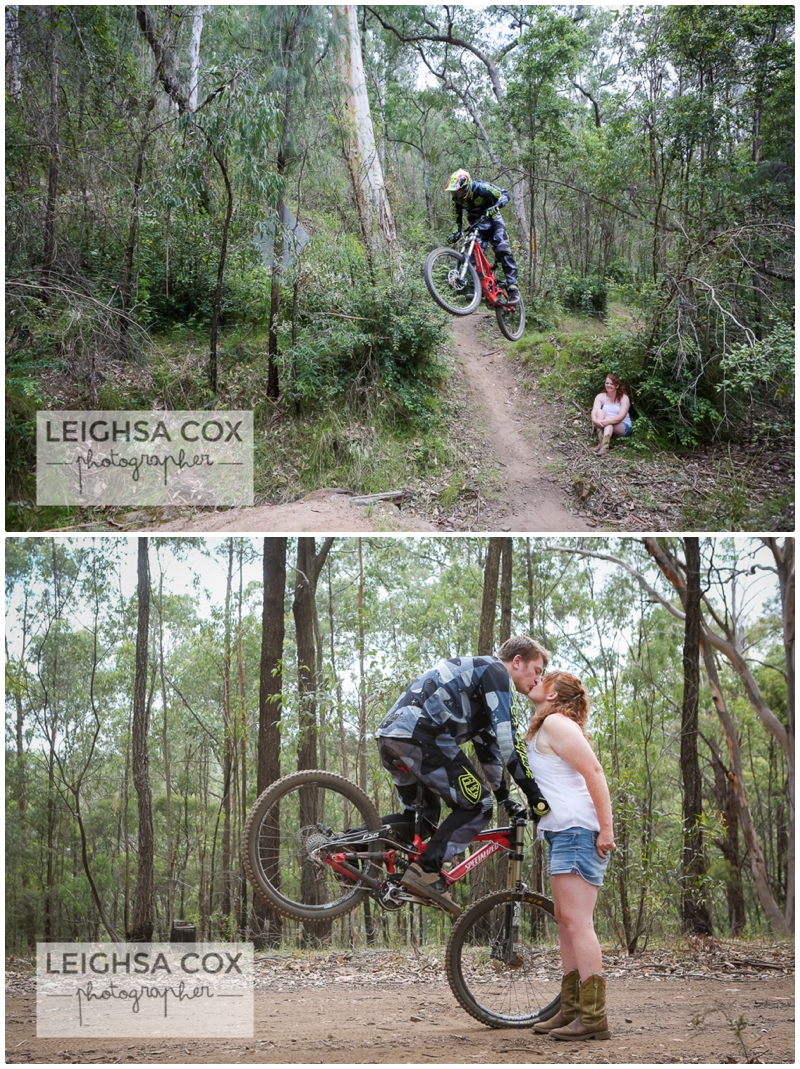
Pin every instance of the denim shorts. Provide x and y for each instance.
(573, 850)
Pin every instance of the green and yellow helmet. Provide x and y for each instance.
(458, 180)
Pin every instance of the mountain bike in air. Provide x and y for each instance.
(315, 848)
(458, 278)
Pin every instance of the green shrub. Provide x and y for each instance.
(588, 295)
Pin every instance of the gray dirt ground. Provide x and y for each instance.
(387, 1010)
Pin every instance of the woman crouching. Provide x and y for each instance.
(580, 832)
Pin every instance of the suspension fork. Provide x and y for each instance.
(505, 949)
(467, 251)
(516, 858)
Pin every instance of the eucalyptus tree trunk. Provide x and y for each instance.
(242, 726)
(194, 55)
(491, 572)
(13, 53)
(268, 761)
(166, 757)
(309, 566)
(143, 920)
(53, 138)
(365, 164)
(506, 576)
(784, 556)
(228, 747)
(694, 908)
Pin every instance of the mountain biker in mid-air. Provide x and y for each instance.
(483, 201)
(420, 739)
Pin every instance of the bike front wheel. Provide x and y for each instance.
(443, 276)
(495, 959)
(511, 320)
(293, 829)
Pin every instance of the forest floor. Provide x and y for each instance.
(550, 479)
(520, 460)
(706, 1003)
(530, 468)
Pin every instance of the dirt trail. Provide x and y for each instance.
(516, 434)
(348, 1019)
(513, 429)
(322, 510)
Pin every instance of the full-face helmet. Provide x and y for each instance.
(458, 180)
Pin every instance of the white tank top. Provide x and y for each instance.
(565, 789)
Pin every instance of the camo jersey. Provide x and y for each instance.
(481, 198)
(462, 699)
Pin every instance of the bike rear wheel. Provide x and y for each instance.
(496, 981)
(442, 271)
(293, 826)
(511, 321)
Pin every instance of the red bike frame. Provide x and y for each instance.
(495, 839)
(491, 291)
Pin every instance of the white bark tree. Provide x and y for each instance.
(194, 55)
(365, 164)
(13, 53)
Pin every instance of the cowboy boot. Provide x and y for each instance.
(604, 446)
(591, 1022)
(599, 432)
(570, 985)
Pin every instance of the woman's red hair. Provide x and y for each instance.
(572, 701)
(619, 387)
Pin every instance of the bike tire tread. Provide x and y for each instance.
(457, 985)
(276, 790)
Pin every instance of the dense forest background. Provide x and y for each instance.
(649, 153)
(153, 689)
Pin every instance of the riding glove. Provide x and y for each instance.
(513, 808)
(538, 806)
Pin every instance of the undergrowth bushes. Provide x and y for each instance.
(747, 391)
(358, 347)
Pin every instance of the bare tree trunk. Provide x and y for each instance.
(228, 755)
(695, 914)
(728, 842)
(49, 253)
(489, 603)
(194, 55)
(13, 53)
(130, 245)
(143, 922)
(783, 553)
(223, 253)
(268, 765)
(309, 565)
(505, 590)
(165, 750)
(243, 934)
(754, 853)
(366, 161)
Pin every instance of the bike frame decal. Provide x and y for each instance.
(493, 841)
(485, 852)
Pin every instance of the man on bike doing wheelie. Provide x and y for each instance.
(420, 739)
(483, 201)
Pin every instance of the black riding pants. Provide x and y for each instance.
(442, 767)
(493, 231)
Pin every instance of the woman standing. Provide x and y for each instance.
(611, 413)
(580, 832)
